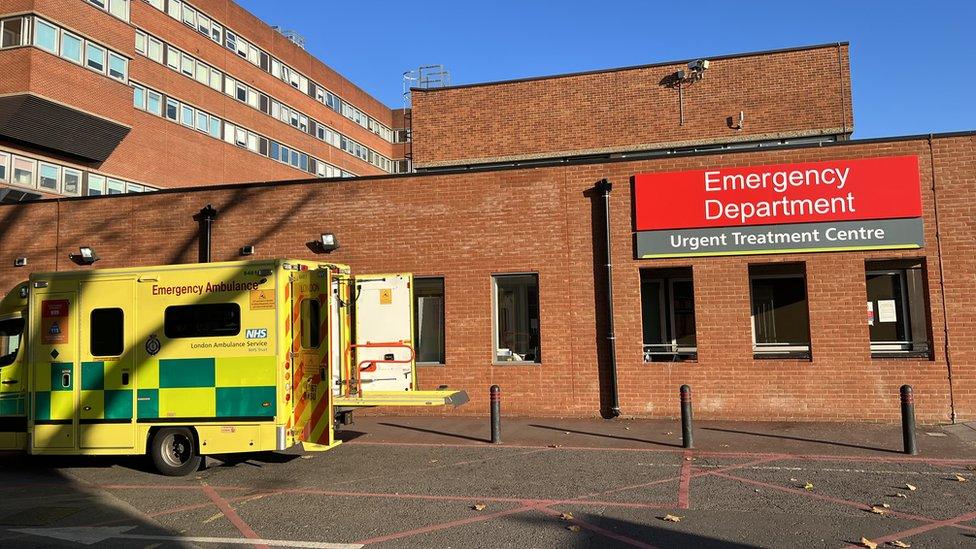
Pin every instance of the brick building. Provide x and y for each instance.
(116, 96)
(748, 232)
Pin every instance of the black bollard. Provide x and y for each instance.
(687, 440)
(908, 420)
(495, 394)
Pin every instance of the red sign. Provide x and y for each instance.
(809, 192)
(54, 321)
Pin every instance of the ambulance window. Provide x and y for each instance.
(311, 317)
(10, 332)
(107, 332)
(206, 320)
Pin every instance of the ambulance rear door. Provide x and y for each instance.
(383, 352)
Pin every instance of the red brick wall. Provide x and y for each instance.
(466, 227)
(799, 92)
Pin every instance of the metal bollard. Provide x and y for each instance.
(687, 439)
(495, 394)
(908, 420)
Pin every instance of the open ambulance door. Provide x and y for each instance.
(381, 358)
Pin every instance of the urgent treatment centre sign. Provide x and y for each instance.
(864, 204)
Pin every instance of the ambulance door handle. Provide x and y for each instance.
(125, 378)
(65, 379)
(8, 382)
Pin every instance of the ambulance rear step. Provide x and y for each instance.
(402, 398)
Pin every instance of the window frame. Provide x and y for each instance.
(57, 177)
(81, 47)
(777, 351)
(91, 333)
(64, 181)
(24, 36)
(38, 23)
(666, 296)
(5, 164)
(443, 317)
(240, 321)
(494, 319)
(33, 172)
(112, 56)
(99, 180)
(915, 315)
(104, 56)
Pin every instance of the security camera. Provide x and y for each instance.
(698, 65)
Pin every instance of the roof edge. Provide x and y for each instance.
(636, 67)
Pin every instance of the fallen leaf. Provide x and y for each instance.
(868, 543)
(756, 490)
(307, 456)
(566, 516)
(900, 495)
(554, 446)
(479, 506)
(433, 461)
(671, 518)
(687, 459)
(961, 478)
(885, 505)
(669, 433)
(793, 480)
(910, 487)
(626, 428)
(899, 543)
(878, 510)
(971, 467)
(808, 486)
(573, 528)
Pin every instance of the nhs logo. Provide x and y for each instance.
(256, 333)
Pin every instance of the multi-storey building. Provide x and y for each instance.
(117, 96)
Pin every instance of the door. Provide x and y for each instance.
(383, 349)
(310, 330)
(107, 357)
(339, 308)
(54, 369)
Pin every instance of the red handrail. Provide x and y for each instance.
(371, 363)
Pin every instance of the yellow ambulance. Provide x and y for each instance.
(182, 361)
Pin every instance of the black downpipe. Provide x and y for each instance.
(604, 186)
(206, 217)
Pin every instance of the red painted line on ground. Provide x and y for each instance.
(684, 486)
(602, 531)
(447, 525)
(924, 528)
(231, 514)
(823, 497)
(701, 453)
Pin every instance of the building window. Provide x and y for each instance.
(95, 57)
(119, 8)
(117, 66)
(780, 316)
(155, 50)
(115, 186)
(71, 47)
(428, 325)
(12, 33)
(4, 166)
(171, 109)
(139, 97)
(72, 182)
(186, 115)
(23, 172)
(208, 320)
(107, 332)
(897, 308)
(154, 102)
(96, 185)
(48, 176)
(516, 318)
(668, 315)
(45, 36)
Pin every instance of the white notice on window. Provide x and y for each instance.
(887, 312)
(870, 313)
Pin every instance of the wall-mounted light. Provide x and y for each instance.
(85, 256)
(20, 262)
(329, 242)
(247, 250)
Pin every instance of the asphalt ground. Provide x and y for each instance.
(435, 482)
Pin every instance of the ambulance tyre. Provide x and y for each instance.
(174, 451)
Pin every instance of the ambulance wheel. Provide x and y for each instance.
(174, 452)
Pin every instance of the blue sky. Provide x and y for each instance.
(913, 63)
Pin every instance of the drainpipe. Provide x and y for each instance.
(206, 217)
(604, 187)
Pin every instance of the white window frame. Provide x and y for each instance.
(64, 181)
(5, 163)
(125, 66)
(494, 320)
(119, 12)
(96, 181)
(57, 177)
(104, 58)
(81, 48)
(33, 171)
(773, 349)
(895, 347)
(57, 36)
(159, 102)
(111, 182)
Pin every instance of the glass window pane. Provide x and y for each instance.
(141, 42)
(107, 332)
(154, 102)
(115, 186)
(203, 121)
(312, 329)
(429, 319)
(13, 33)
(155, 50)
(171, 109)
(186, 115)
(48, 176)
(779, 311)
(888, 320)
(215, 127)
(116, 66)
(96, 185)
(95, 57)
(516, 323)
(72, 181)
(23, 172)
(207, 320)
(71, 47)
(139, 97)
(4, 166)
(134, 188)
(120, 9)
(45, 36)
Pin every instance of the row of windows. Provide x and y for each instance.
(206, 26)
(172, 109)
(118, 8)
(896, 311)
(58, 179)
(49, 37)
(166, 54)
